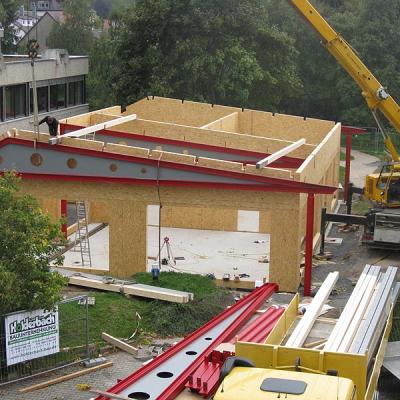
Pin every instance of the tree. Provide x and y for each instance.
(28, 242)
(8, 14)
(220, 51)
(76, 33)
(102, 8)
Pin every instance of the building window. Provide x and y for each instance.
(15, 101)
(58, 96)
(43, 99)
(75, 93)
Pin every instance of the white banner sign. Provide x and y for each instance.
(31, 335)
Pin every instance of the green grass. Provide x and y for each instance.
(116, 314)
(343, 156)
(360, 207)
(341, 174)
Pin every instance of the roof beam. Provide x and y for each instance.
(93, 128)
(280, 153)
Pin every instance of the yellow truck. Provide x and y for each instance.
(275, 371)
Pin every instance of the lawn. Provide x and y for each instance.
(117, 315)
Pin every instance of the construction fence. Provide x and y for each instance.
(67, 340)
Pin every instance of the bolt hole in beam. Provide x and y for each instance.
(139, 396)
(165, 374)
(208, 338)
(191, 353)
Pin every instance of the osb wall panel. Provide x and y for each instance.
(228, 123)
(251, 122)
(287, 127)
(51, 207)
(127, 218)
(170, 196)
(285, 249)
(209, 137)
(175, 111)
(128, 238)
(84, 119)
(315, 167)
(199, 218)
(264, 222)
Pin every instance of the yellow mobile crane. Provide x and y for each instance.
(382, 223)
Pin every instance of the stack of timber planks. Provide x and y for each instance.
(303, 328)
(362, 321)
(125, 287)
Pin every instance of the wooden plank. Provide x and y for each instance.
(280, 153)
(119, 343)
(65, 377)
(140, 290)
(99, 127)
(108, 395)
(303, 328)
(361, 309)
(346, 316)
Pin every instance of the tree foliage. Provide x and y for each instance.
(28, 241)
(220, 51)
(8, 14)
(247, 53)
(76, 33)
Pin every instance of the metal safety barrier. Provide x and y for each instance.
(73, 328)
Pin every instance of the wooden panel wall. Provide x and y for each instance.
(126, 205)
(200, 218)
(280, 126)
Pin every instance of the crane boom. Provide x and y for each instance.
(375, 94)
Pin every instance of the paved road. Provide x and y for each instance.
(362, 165)
(124, 364)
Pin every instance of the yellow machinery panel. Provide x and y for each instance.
(383, 188)
(273, 356)
(245, 383)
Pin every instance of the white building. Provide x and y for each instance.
(60, 88)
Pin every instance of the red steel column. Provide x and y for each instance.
(64, 215)
(309, 244)
(349, 138)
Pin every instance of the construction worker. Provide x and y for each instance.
(52, 123)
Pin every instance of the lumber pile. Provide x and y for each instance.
(303, 328)
(363, 319)
(125, 287)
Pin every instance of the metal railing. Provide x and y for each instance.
(73, 339)
(372, 142)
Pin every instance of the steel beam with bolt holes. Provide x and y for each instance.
(166, 375)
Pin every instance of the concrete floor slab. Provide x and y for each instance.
(205, 251)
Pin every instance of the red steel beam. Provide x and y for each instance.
(347, 166)
(250, 304)
(64, 215)
(277, 184)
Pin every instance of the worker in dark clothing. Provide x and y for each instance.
(52, 123)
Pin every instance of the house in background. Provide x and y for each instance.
(39, 31)
(46, 5)
(60, 88)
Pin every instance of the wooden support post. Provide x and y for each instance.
(64, 215)
(349, 138)
(309, 244)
